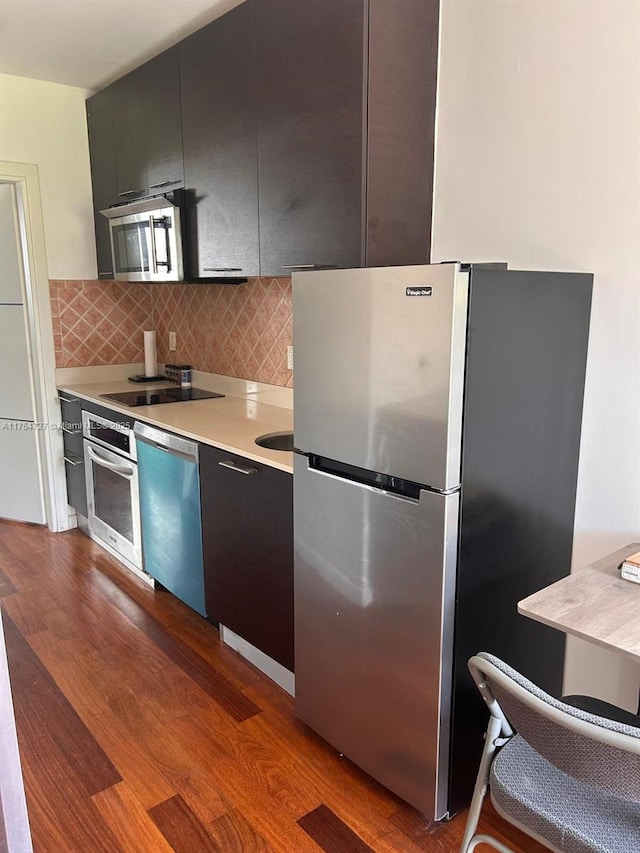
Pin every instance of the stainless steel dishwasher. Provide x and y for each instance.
(170, 513)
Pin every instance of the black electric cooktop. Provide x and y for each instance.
(160, 395)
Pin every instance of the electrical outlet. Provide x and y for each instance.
(172, 341)
(289, 358)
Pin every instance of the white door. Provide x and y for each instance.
(16, 396)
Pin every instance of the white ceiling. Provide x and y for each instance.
(90, 43)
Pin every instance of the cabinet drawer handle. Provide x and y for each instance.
(74, 461)
(309, 267)
(222, 269)
(299, 266)
(70, 431)
(129, 192)
(163, 184)
(67, 399)
(241, 469)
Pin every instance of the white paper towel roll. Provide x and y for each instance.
(150, 364)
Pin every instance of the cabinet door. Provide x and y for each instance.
(71, 410)
(130, 134)
(163, 122)
(247, 531)
(403, 59)
(76, 482)
(217, 76)
(310, 59)
(103, 172)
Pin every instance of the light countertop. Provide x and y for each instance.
(232, 422)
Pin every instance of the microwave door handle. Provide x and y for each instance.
(112, 466)
(164, 227)
(152, 246)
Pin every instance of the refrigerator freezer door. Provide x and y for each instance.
(379, 368)
(374, 600)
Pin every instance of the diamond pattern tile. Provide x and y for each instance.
(240, 331)
(99, 322)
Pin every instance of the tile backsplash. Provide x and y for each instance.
(236, 330)
(99, 322)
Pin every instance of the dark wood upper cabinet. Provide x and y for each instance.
(103, 172)
(217, 74)
(346, 104)
(163, 121)
(129, 133)
(140, 130)
(401, 108)
(310, 132)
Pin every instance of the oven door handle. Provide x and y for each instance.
(126, 471)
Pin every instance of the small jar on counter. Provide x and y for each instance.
(172, 372)
(185, 375)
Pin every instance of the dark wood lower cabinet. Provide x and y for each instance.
(247, 535)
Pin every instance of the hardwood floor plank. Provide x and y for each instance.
(331, 833)
(146, 756)
(60, 818)
(38, 694)
(333, 779)
(207, 643)
(29, 610)
(262, 768)
(147, 784)
(397, 842)
(19, 550)
(422, 831)
(58, 773)
(129, 821)
(181, 827)
(243, 788)
(234, 834)
(6, 587)
(209, 679)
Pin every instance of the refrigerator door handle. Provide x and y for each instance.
(367, 486)
(396, 487)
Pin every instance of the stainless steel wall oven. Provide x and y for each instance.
(112, 487)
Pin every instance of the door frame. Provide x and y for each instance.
(24, 176)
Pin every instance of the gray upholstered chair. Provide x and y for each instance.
(568, 778)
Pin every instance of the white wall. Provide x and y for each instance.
(538, 164)
(44, 124)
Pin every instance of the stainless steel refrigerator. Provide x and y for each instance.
(437, 426)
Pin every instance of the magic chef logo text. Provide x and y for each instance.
(419, 291)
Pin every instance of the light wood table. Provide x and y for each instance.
(593, 603)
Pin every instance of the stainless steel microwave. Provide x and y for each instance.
(146, 238)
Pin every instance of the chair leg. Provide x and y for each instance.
(487, 839)
(492, 734)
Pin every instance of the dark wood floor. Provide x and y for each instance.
(140, 731)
